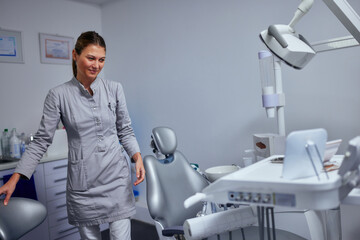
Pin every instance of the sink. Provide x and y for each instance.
(217, 172)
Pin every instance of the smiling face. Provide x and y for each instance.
(89, 62)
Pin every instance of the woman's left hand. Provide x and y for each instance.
(139, 166)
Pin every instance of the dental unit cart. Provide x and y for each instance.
(262, 185)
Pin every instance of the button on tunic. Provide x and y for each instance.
(99, 187)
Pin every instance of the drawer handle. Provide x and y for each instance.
(61, 219)
(60, 179)
(58, 167)
(61, 206)
(66, 230)
(59, 193)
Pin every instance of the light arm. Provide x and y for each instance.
(351, 21)
(302, 9)
(347, 16)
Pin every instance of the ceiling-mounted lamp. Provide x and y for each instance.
(295, 50)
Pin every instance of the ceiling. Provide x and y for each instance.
(97, 2)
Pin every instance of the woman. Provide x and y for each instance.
(94, 114)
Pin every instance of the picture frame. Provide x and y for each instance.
(55, 49)
(11, 46)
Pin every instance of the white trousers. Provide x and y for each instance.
(119, 230)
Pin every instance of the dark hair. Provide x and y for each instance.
(84, 40)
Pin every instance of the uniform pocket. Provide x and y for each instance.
(75, 151)
(123, 164)
(77, 179)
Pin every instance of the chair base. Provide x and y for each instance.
(171, 231)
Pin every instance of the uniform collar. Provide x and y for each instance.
(94, 85)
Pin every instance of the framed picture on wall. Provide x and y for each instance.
(11, 46)
(55, 49)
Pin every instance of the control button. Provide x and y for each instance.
(239, 197)
(266, 198)
(257, 197)
(247, 197)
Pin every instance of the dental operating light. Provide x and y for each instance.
(291, 47)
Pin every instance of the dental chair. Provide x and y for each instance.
(19, 217)
(169, 182)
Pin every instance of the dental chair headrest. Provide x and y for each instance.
(164, 140)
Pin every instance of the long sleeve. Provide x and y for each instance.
(123, 124)
(43, 137)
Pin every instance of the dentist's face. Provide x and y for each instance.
(89, 62)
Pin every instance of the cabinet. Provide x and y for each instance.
(50, 185)
(55, 186)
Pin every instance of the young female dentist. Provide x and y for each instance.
(94, 113)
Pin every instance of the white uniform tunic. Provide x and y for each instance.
(99, 187)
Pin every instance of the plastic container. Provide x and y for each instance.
(14, 145)
(22, 147)
(248, 157)
(267, 76)
(136, 195)
(22, 139)
(5, 144)
(136, 189)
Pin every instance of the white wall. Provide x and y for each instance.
(192, 65)
(24, 86)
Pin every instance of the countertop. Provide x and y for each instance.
(9, 164)
(56, 151)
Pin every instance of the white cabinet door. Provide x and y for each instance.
(55, 182)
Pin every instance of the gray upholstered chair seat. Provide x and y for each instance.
(20, 216)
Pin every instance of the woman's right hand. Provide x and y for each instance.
(9, 187)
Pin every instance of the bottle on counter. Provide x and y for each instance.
(133, 179)
(1, 156)
(14, 145)
(22, 139)
(5, 147)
